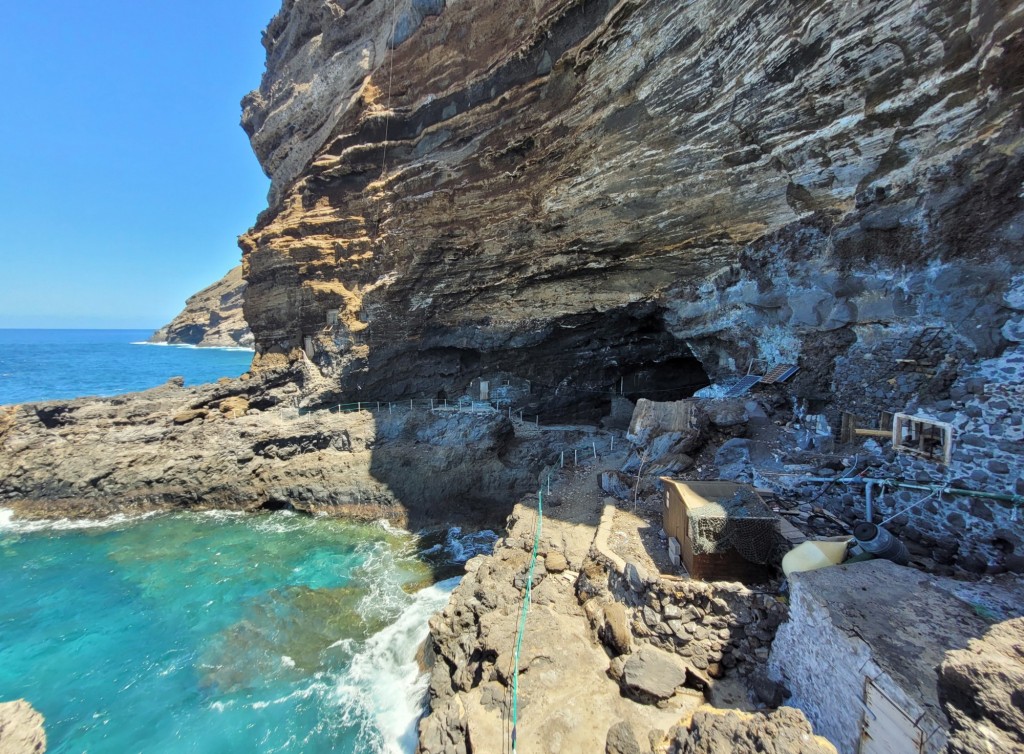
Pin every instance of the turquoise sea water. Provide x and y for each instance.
(208, 632)
(216, 632)
(39, 365)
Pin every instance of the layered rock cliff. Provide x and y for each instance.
(211, 318)
(592, 194)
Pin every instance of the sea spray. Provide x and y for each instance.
(221, 632)
(382, 691)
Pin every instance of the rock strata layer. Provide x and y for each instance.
(212, 318)
(21, 729)
(635, 195)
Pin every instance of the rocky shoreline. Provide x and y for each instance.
(212, 318)
(250, 443)
(620, 652)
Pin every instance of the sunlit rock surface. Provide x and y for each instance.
(213, 317)
(581, 193)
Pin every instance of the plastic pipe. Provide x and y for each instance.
(1018, 499)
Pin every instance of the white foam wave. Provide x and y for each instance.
(382, 691)
(317, 687)
(221, 515)
(390, 528)
(461, 547)
(384, 596)
(189, 345)
(26, 526)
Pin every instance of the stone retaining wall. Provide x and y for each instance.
(714, 626)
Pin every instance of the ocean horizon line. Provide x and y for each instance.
(87, 329)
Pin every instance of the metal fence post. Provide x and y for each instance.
(575, 457)
(613, 443)
(561, 462)
(359, 406)
(594, 443)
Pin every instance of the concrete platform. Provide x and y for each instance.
(861, 650)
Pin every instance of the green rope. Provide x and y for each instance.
(522, 617)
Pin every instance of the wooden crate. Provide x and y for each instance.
(683, 497)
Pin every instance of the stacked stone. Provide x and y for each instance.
(958, 533)
(714, 626)
(869, 378)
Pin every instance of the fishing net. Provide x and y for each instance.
(743, 524)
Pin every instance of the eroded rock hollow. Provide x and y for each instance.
(584, 193)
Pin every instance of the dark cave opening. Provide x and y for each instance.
(580, 368)
(675, 378)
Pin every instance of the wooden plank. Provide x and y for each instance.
(886, 433)
(887, 728)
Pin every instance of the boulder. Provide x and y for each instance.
(622, 740)
(616, 628)
(617, 484)
(980, 689)
(636, 577)
(733, 458)
(234, 406)
(653, 674)
(727, 413)
(190, 415)
(782, 731)
(555, 562)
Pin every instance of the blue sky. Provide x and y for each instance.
(124, 175)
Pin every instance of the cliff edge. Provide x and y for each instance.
(640, 195)
(211, 318)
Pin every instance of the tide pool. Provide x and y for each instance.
(216, 632)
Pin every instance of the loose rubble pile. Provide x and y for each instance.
(767, 439)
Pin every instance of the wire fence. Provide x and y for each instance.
(436, 405)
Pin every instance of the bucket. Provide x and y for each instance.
(814, 554)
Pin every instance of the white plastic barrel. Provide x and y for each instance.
(814, 554)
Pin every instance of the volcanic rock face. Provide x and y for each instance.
(213, 317)
(242, 444)
(590, 194)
